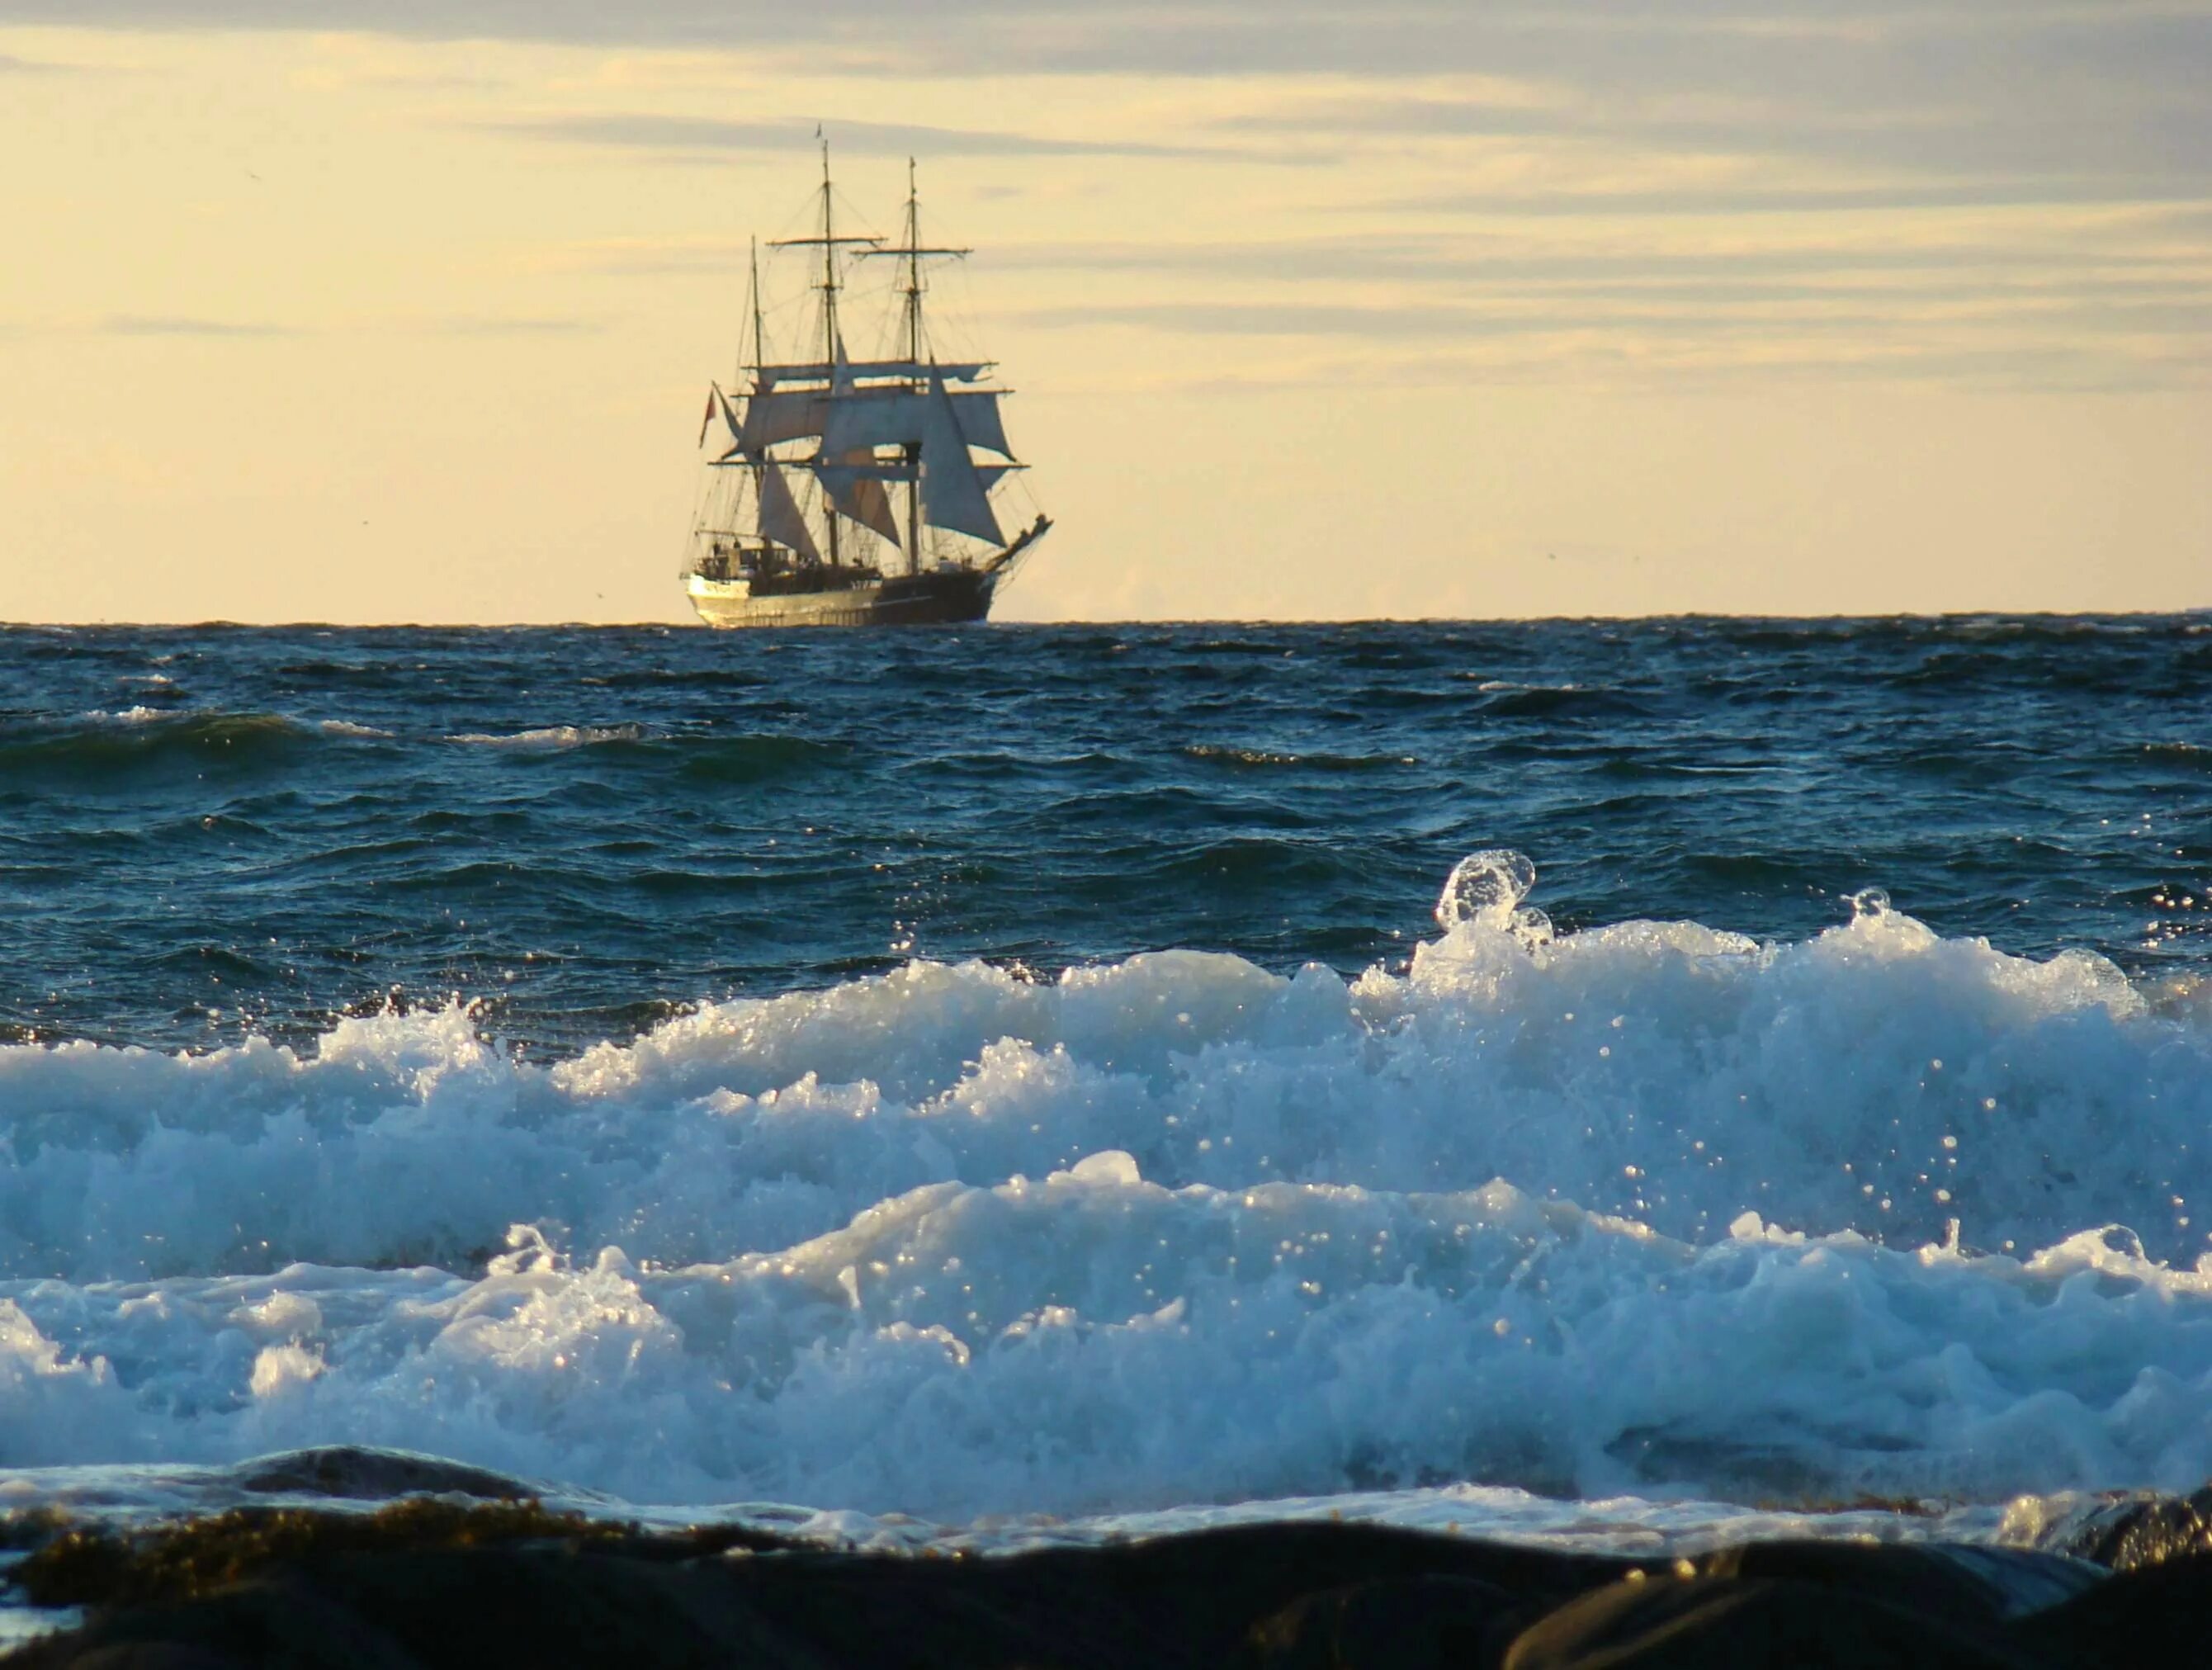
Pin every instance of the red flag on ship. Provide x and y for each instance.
(712, 391)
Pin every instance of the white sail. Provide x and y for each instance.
(857, 421)
(952, 493)
(780, 520)
(858, 493)
(980, 420)
(718, 401)
(900, 418)
(774, 415)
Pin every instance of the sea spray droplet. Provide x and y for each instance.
(1868, 903)
(1485, 886)
(1110, 1166)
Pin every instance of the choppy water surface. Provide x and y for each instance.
(1018, 1071)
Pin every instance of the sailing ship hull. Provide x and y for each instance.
(940, 597)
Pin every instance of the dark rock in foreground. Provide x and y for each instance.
(346, 1471)
(429, 1584)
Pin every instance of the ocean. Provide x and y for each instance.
(1610, 1083)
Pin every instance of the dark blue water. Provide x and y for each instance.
(1866, 1211)
(208, 831)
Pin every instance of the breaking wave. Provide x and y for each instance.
(1646, 1206)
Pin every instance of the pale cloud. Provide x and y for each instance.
(2089, 260)
(2030, 303)
(642, 130)
(2091, 97)
(1788, 365)
(1758, 199)
(2103, 102)
(486, 325)
(1921, 299)
(136, 325)
(1862, 323)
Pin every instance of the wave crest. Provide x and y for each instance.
(1876, 1213)
(103, 747)
(1877, 1079)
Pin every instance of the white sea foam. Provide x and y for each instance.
(138, 714)
(1646, 1206)
(553, 736)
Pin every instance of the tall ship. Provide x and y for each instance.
(854, 492)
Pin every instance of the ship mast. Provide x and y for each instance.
(914, 251)
(829, 323)
(760, 356)
(914, 352)
(829, 241)
(760, 325)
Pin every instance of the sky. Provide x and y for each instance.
(405, 310)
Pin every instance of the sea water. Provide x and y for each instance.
(1603, 1083)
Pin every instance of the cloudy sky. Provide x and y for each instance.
(404, 309)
